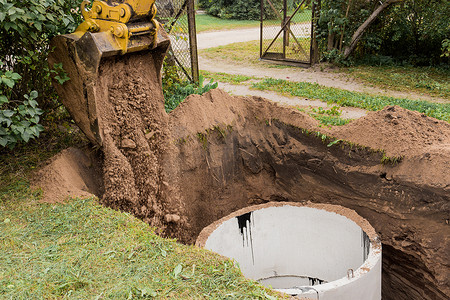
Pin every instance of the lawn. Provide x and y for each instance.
(82, 250)
(206, 22)
(209, 23)
(426, 80)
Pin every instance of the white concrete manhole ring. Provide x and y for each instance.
(314, 251)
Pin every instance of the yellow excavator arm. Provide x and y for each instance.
(123, 26)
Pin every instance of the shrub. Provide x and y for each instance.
(178, 91)
(17, 122)
(236, 9)
(26, 27)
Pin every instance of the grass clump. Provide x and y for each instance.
(81, 250)
(208, 23)
(327, 117)
(330, 120)
(353, 99)
(230, 78)
(243, 52)
(176, 93)
(428, 80)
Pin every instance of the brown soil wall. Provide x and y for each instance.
(235, 152)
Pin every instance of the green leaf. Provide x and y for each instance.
(18, 129)
(40, 10)
(39, 127)
(8, 113)
(25, 123)
(334, 143)
(177, 270)
(33, 103)
(35, 119)
(5, 120)
(12, 11)
(25, 136)
(2, 16)
(66, 21)
(3, 141)
(15, 76)
(38, 26)
(3, 99)
(10, 83)
(33, 94)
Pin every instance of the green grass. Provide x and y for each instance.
(209, 23)
(206, 22)
(353, 99)
(224, 77)
(427, 80)
(81, 250)
(431, 81)
(328, 117)
(248, 52)
(244, 52)
(330, 120)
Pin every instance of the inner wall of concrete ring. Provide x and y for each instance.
(302, 241)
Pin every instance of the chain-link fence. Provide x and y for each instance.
(178, 17)
(286, 34)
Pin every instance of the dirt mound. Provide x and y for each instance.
(71, 173)
(398, 131)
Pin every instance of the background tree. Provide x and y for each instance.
(235, 9)
(412, 30)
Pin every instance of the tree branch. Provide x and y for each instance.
(361, 29)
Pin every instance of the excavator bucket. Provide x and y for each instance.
(111, 28)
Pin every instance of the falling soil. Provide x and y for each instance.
(135, 130)
(216, 154)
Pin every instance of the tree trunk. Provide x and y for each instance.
(361, 29)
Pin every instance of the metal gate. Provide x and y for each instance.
(178, 17)
(287, 31)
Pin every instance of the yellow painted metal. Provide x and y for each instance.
(129, 25)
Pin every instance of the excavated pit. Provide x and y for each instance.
(216, 154)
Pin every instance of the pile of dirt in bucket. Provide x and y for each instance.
(217, 153)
